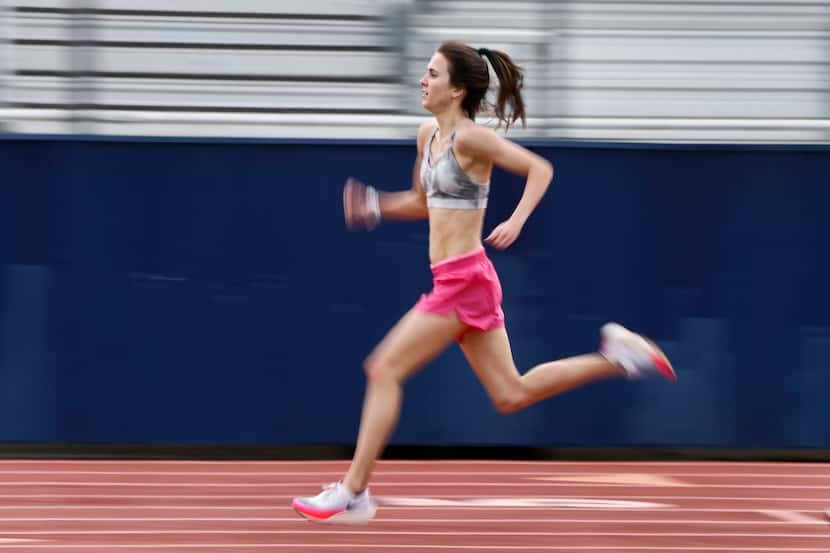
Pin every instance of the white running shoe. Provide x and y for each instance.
(639, 357)
(336, 504)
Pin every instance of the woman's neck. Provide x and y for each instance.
(448, 121)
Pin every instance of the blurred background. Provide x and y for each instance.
(174, 267)
(614, 70)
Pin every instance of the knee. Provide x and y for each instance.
(371, 367)
(377, 369)
(511, 402)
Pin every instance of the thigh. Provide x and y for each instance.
(491, 358)
(414, 341)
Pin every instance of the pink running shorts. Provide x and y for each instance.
(467, 284)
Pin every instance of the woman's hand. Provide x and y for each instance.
(360, 205)
(504, 234)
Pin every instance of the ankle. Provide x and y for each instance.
(351, 488)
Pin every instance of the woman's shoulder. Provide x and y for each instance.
(471, 137)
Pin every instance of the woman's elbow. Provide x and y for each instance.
(543, 172)
(547, 169)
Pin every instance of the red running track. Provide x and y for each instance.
(445, 507)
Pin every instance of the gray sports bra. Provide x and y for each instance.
(447, 185)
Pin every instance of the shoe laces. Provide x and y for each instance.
(331, 488)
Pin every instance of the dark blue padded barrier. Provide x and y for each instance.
(206, 292)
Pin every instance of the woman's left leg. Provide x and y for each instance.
(491, 358)
(625, 354)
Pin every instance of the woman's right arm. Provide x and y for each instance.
(410, 204)
(367, 207)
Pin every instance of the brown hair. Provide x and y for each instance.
(468, 68)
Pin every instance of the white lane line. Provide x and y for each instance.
(450, 462)
(569, 483)
(339, 531)
(791, 516)
(381, 472)
(616, 479)
(666, 497)
(437, 521)
(517, 502)
(279, 499)
(285, 507)
(409, 547)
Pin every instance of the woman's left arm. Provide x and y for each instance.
(483, 143)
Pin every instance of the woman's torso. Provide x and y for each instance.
(457, 187)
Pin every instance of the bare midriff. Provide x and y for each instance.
(454, 232)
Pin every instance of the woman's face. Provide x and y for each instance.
(436, 91)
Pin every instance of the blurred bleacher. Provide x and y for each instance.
(652, 70)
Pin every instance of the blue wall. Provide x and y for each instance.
(192, 292)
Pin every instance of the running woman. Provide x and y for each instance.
(451, 181)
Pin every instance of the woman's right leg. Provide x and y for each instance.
(412, 343)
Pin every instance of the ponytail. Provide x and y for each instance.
(511, 82)
(468, 68)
